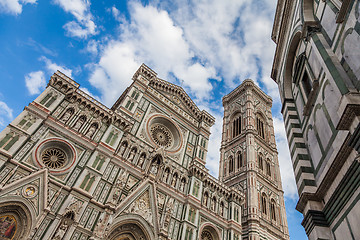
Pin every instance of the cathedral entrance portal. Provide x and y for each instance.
(128, 231)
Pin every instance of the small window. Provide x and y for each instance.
(260, 127)
(273, 211)
(268, 168)
(306, 84)
(236, 127)
(231, 165)
(263, 203)
(260, 162)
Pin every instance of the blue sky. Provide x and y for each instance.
(206, 46)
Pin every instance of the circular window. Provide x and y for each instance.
(161, 135)
(55, 154)
(164, 133)
(53, 158)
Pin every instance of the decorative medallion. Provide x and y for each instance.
(29, 191)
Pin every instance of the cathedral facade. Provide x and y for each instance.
(316, 67)
(71, 168)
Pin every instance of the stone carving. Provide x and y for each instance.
(102, 225)
(141, 206)
(118, 186)
(132, 154)
(91, 131)
(67, 115)
(61, 231)
(168, 212)
(141, 160)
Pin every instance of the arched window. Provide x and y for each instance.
(27, 122)
(263, 203)
(260, 161)
(231, 165)
(9, 140)
(272, 209)
(48, 99)
(236, 126)
(260, 126)
(268, 168)
(240, 161)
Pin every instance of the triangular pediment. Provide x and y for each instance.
(31, 190)
(142, 202)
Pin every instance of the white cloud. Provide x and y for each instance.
(286, 169)
(53, 67)
(84, 24)
(213, 155)
(92, 47)
(150, 37)
(6, 114)
(14, 6)
(35, 82)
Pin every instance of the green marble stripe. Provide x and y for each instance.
(330, 65)
(300, 157)
(306, 182)
(348, 185)
(288, 119)
(297, 146)
(302, 170)
(295, 135)
(292, 126)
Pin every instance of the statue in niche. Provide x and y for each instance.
(155, 164)
(213, 202)
(206, 199)
(154, 168)
(141, 160)
(166, 175)
(182, 185)
(174, 180)
(123, 148)
(67, 115)
(221, 210)
(91, 131)
(79, 123)
(132, 154)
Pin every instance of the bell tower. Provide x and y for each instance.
(249, 162)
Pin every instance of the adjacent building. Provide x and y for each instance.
(71, 168)
(317, 69)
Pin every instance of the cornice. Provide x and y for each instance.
(246, 84)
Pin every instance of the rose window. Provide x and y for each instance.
(56, 154)
(161, 135)
(163, 132)
(53, 158)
